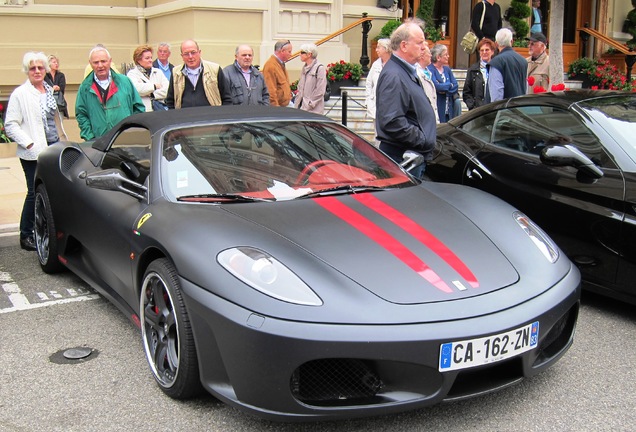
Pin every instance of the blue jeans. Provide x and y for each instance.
(28, 209)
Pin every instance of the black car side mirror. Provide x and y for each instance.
(115, 180)
(569, 155)
(411, 160)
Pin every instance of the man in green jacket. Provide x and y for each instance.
(104, 98)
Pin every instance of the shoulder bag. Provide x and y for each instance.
(470, 40)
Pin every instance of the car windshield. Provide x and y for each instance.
(273, 160)
(617, 115)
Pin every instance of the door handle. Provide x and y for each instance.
(473, 174)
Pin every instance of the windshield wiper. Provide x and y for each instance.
(222, 198)
(342, 190)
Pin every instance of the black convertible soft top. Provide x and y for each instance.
(158, 120)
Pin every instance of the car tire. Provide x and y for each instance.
(45, 233)
(166, 332)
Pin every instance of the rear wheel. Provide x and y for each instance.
(166, 332)
(45, 234)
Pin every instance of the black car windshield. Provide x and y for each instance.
(617, 115)
(272, 160)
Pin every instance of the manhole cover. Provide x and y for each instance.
(73, 355)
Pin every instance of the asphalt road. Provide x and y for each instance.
(591, 389)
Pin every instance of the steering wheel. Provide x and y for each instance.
(304, 175)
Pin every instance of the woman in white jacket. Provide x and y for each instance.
(149, 81)
(33, 122)
(384, 54)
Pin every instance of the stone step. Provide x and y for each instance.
(357, 119)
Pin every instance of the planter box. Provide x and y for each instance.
(617, 60)
(337, 85)
(8, 149)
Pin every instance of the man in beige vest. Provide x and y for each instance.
(197, 82)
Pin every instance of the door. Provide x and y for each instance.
(581, 214)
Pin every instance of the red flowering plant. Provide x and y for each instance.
(601, 73)
(294, 87)
(3, 134)
(343, 70)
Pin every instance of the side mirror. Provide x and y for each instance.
(569, 155)
(411, 160)
(115, 180)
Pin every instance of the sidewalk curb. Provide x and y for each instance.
(9, 229)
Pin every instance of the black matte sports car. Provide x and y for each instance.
(568, 161)
(287, 266)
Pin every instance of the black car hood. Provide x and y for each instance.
(405, 246)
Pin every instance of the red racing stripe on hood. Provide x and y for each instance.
(384, 239)
(424, 236)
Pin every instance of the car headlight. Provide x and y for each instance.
(264, 273)
(538, 237)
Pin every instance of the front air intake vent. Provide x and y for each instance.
(68, 158)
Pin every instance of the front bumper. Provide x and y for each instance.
(290, 370)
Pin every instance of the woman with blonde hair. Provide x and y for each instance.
(57, 80)
(312, 82)
(150, 82)
(33, 122)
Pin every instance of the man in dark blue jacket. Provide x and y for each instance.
(404, 115)
(507, 71)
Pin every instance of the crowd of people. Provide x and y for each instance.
(409, 89)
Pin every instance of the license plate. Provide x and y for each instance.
(476, 352)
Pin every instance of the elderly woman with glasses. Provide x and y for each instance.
(312, 82)
(474, 92)
(33, 122)
(445, 84)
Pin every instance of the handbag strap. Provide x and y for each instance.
(483, 14)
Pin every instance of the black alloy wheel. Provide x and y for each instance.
(45, 234)
(166, 332)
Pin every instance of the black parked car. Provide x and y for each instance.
(566, 159)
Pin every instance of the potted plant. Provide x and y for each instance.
(3, 134)
(599, 74)
(518, 15)
(387, 29)
(343, 74)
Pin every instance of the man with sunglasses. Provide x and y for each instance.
(197, 82)
(276, 76)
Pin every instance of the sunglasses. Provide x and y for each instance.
(37, 68)
(304, 52)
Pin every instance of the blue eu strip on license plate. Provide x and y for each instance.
(480, 351)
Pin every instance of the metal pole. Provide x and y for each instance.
(344, 107)
(364, 58)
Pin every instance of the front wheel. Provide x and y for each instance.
(166, 332)
(45, 234)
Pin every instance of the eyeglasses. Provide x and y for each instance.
(37, 68)
(189, 53)
(304, 52)
(485, 50)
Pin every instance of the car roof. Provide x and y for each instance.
(157, 120)
(563, 99)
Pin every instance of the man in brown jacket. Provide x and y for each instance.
(276, 76)
(538, 63)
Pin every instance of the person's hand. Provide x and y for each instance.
(56, 88)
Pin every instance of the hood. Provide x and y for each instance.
(406, 246)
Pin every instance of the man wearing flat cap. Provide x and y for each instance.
(538, 63)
